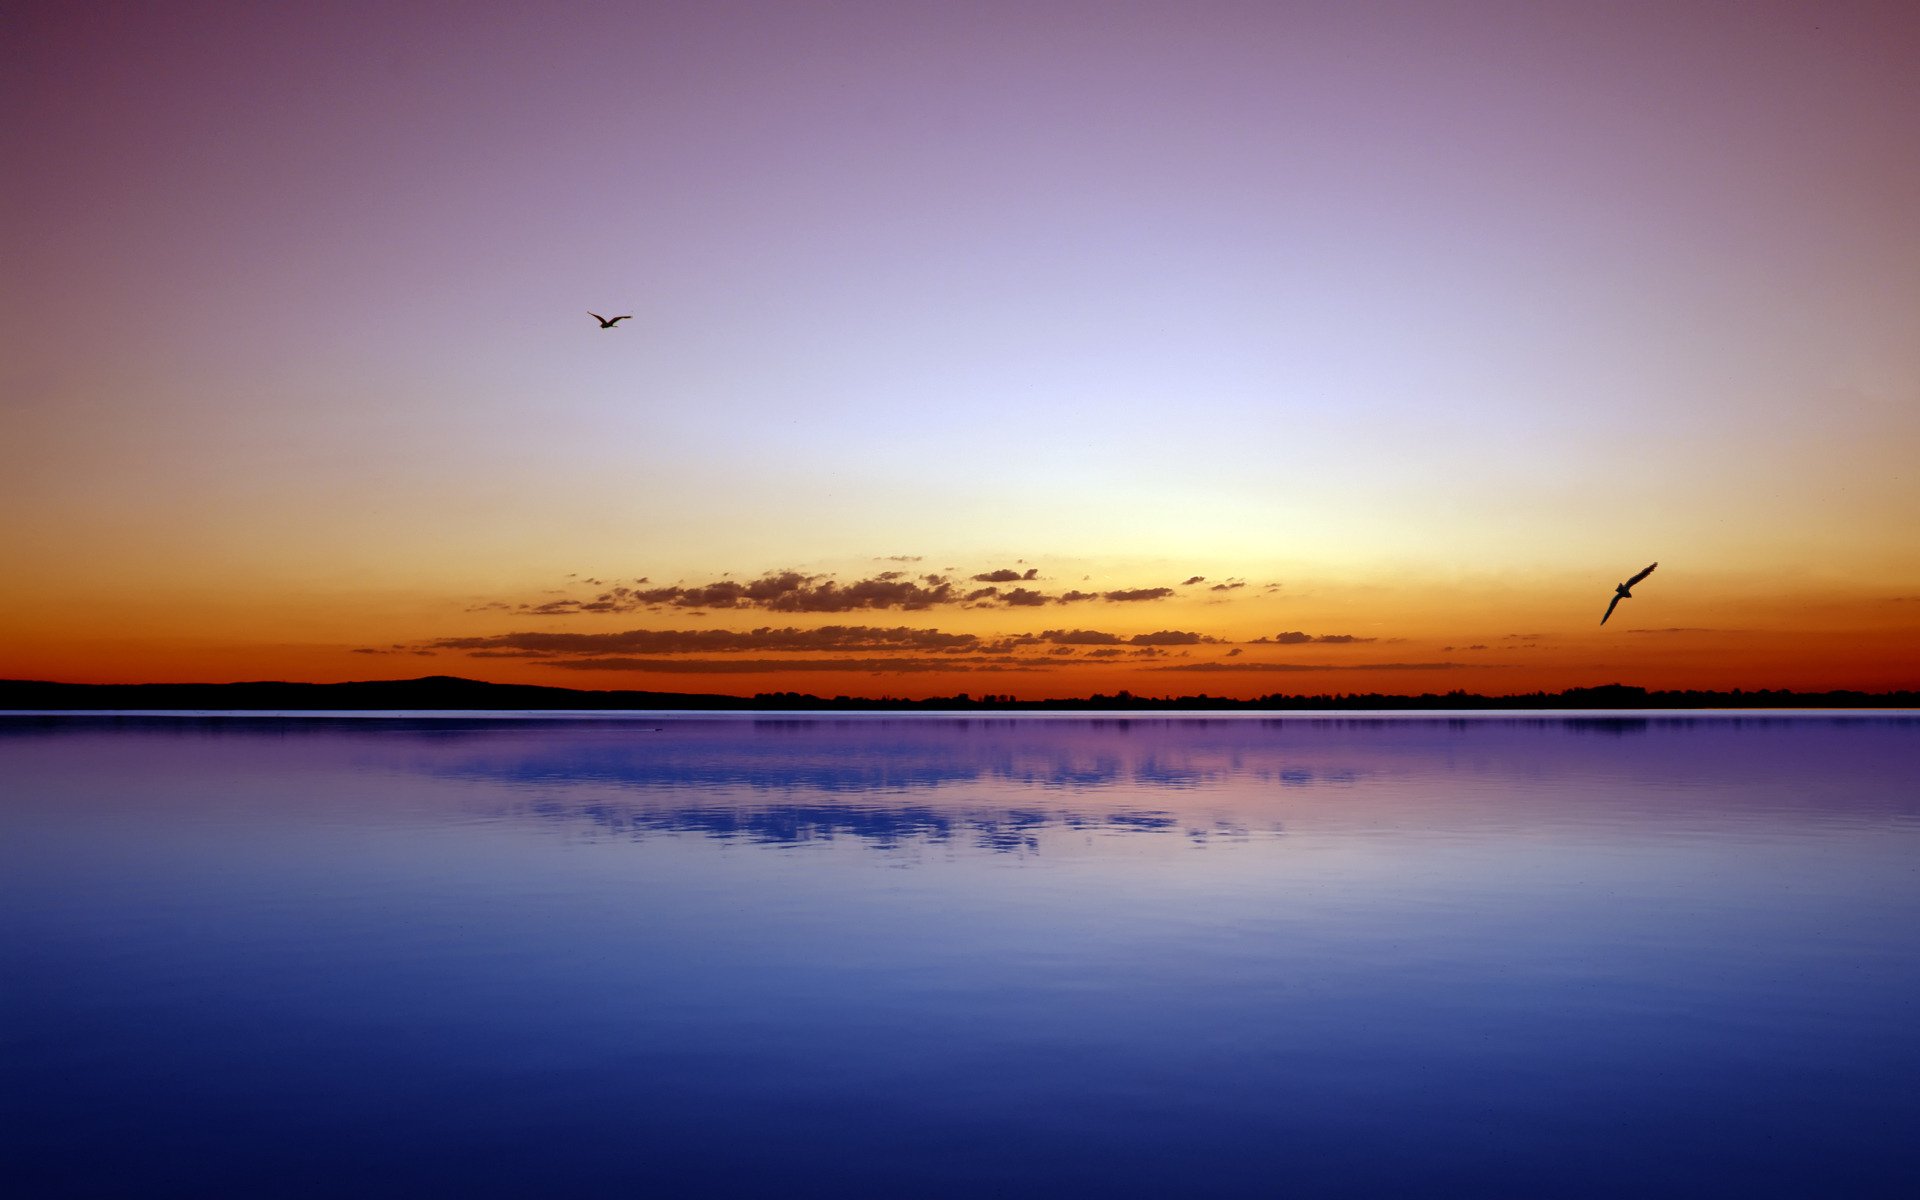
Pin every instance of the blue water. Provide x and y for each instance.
(882, 956)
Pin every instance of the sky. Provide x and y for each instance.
(1039, 349)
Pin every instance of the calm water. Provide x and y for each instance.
(998, 957)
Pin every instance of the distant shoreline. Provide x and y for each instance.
(447, 693)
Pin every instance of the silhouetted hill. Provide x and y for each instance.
(443, 692)
(432, 692)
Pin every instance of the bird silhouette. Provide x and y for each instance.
(609, 322)
(1624, 591)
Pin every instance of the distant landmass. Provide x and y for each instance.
(441, 692)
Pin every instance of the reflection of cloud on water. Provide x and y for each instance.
(880, 826)
(861, 769)
(998, 787)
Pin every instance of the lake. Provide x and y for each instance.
(909, 956)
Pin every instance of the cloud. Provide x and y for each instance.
(1189, 582)
(1230, 585)
(1297, 667)
(909, 648)
(899, 558)
(747, 666)
(1169, 637)
(792, 591)
(1294, 637)
(787, 591)
(1007, 575)
(709, 641)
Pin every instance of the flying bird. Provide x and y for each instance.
(1624, 591)
(609, 322)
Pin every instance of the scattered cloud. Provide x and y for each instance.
(833, 647)
(903, 665)
(793, 591)
(1007, 575)
(1295, 637)
(740, 667)
(1170, 637)
(684, 641)
(1230, 585)
(780, 591)
(1296, 667)
(1189, 582)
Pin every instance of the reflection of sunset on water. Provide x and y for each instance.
(1589, 957)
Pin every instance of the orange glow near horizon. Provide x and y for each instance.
(1230, 638)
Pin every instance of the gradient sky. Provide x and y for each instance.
(1425, 324)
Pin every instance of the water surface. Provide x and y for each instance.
(913, 956)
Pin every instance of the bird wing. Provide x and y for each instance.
(629, 317)
(1642, 575)
(1610, 604)
(596, 316)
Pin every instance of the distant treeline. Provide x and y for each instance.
(443, 692)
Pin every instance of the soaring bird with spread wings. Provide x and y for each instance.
(609, 322)
(1624, 591)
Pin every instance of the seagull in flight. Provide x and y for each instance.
(1624, 591)
(609, 322)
